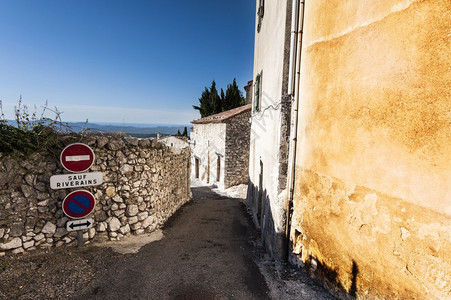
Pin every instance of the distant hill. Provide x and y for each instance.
(136, 130)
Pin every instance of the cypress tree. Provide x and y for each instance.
(233, 97)
(223, 99)
(215, 100)
(205, 107)
(211, 103)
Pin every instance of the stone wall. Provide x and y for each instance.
(145, 182)
(237, 150)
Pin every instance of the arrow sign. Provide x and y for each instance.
(79, 224)
(77, 157)
(78, 204)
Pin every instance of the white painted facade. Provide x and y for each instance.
(208, 148)
(174, 142)
(220, 148)
(265, 198)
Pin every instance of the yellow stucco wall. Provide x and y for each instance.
(373, 168)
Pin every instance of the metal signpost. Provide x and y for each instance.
(79, 225)
(78, 204)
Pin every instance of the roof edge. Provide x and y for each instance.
(223, 116)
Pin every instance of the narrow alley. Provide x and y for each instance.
(204, 255)
(207, 252)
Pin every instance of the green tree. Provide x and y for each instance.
(233, 97)
(205, 107)
(211, 103)
(222, 97)
(185, 132)
(215, 99)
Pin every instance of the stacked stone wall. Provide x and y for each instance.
(144, 184)
(237, 150)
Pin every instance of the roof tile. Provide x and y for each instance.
(222, 116)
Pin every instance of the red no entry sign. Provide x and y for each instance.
(77, 157)
(78, 204)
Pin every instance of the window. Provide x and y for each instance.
(258, 91)
(260, 13)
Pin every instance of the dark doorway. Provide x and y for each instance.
(260, 195)
(218, 168)
(196, 167)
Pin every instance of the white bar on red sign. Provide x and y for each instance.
(77, 158)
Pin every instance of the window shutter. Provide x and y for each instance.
(260, 13)
(257, 92)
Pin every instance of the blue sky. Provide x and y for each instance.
(122, 61)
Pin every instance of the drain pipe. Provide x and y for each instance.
(294, 82)
(292, 65)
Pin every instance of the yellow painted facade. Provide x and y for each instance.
(372, 199)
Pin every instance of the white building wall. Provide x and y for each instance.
(174, 142)
(265, 128)
(207, 143)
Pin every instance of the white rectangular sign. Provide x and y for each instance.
(65, 181)
(79, 224)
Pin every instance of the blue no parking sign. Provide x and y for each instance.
(78, 204)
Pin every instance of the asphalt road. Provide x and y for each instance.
(205, 254)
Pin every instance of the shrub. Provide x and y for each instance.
(32, 134)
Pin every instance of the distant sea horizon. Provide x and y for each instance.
(140, 125)
(132, 129)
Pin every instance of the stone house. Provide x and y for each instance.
(353, 183)
(220, 147)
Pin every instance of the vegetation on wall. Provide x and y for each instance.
(31, 134)
(211, 103)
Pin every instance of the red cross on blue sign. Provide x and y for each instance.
(78, 204)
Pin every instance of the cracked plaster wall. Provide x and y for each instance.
(268, 138)
(372, 201)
